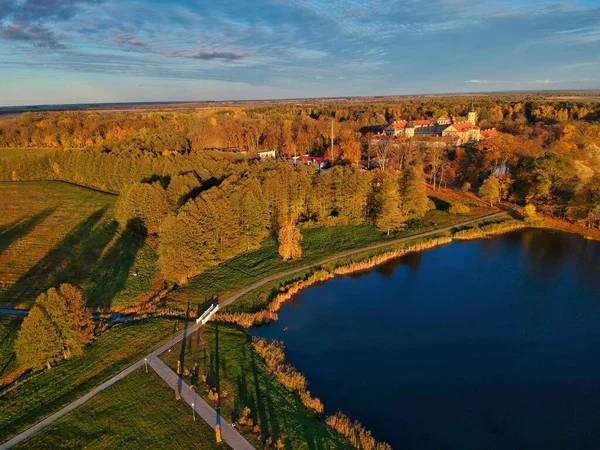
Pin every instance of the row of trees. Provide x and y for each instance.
(234, 216)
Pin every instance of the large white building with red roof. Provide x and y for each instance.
(445, 125)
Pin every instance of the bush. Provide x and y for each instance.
(459, 208)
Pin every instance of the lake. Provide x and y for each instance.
(487, 344)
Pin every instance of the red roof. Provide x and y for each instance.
(308, 158)
(401, 124)
(422, 123)
(490, 133)
(463, 126)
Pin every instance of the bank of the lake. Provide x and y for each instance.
(481, 344)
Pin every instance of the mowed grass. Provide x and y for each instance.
(9, 152)
(9, 327)
(139, 411)
(318, 243)
(53, 232)
(48, 391)
(277, 411)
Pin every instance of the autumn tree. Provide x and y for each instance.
(415, 202)
(490, 190)
(57, 327)
(390, 216)
(143, 202)
(289, 242)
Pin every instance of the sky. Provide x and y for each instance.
(76, 51)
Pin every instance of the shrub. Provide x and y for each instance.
(459, 208)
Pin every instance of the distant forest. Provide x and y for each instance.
(207, 205)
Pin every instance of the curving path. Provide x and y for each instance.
(230, 435)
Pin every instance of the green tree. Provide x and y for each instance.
(390, 215)
(490, 190)
(57, 327)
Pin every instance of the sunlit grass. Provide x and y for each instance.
(139, 411)
(50, 390)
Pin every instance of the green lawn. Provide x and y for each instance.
(50, 390)
(139, 411)
(9, 327)
(53, 232)
(8, 152)
(318, 243)
(277, 411)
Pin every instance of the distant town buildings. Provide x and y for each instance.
(445, 126)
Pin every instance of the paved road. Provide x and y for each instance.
(153, 357)
(203, 409)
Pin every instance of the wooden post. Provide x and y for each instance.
(177, 393)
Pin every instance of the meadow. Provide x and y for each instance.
(137, 412)
(9, 327)
(275, 411)
(54, 232)
(48, 391)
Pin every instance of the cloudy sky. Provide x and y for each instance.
(72, 51)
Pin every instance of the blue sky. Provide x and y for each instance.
(72, 51)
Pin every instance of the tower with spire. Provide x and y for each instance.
(471, 113)
(409, 129)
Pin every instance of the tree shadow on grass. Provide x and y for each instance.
(110, 274)
(21, 228)
(440, 205)
(71, 261)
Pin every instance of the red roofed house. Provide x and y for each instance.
(398, 128)
(464, 132)
(317, 161)
(491, 132)
(445, 125)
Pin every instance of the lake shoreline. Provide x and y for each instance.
(348, 269)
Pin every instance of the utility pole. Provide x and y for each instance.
(332, 142)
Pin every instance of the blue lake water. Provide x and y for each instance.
(487, 344)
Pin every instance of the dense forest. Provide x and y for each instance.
(207, 205)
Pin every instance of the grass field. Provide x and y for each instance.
(9, 327)
(52, 232)
(137, 412)
(276, 411)
(50, 390)
(8, 152)
(318, 243)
